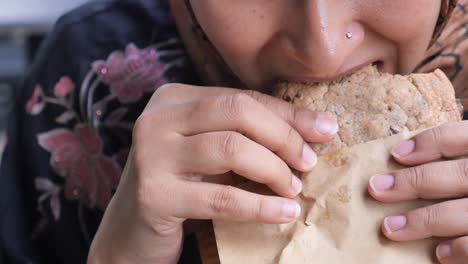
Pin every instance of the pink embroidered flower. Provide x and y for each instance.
(35, 104)
(132, 74)
(77, 156)
(64, 87)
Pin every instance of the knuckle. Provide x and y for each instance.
(416, 177)
(229, 144)
(167, 94)
(147, 123)
(465, 204)
(150, 189)
(142, 181)
(257, 209)
(198, 110)
(463, 245)
(253, 94)
(293, 113)
(291, 138)
(462, 172)
(143, 196)
(223, 200)
(142, 124)
(200, 146)
(235, 105)
(436, 134)
(166, 90)
(149, 202)
(429, 216)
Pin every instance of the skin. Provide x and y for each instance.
(188, 142)
(263, 40)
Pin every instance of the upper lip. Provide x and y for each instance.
(319, 79)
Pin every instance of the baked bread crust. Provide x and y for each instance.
(369, 105)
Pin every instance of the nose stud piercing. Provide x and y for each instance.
(349, 35)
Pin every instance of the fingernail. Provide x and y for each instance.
(443, 251)
(291, 210)
(309, 156)
(381, 183)
(296, 184)
(325, 125)
(394, 223)
(403, 149)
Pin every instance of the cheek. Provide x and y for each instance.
(408, 25)
(402, 19)
(239, 30)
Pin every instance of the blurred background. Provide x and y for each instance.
(23, 25)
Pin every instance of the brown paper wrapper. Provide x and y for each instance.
(339, 223)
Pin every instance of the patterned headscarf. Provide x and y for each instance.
(449, 50)
(446, 10)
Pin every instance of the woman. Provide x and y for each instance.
(75, 123)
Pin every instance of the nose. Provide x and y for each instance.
(323, 36)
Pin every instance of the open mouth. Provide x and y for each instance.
(379, 65)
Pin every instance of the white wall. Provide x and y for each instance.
(33, 13)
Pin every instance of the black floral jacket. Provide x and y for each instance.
(69, 136)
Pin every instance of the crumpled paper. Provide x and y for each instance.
(339, 223)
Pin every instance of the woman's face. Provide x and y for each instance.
(264, 41)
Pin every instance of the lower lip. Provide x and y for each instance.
(379, 64)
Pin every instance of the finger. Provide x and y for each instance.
(447, 219)
(176, 93)
(220, 152)
(447, 179)
(223, 202)
(245, 115)
(301, 119)
(453, 252)
(314, 127)
(447, 141)
(235, 108)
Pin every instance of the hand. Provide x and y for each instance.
(185, 145)
(438, 180)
